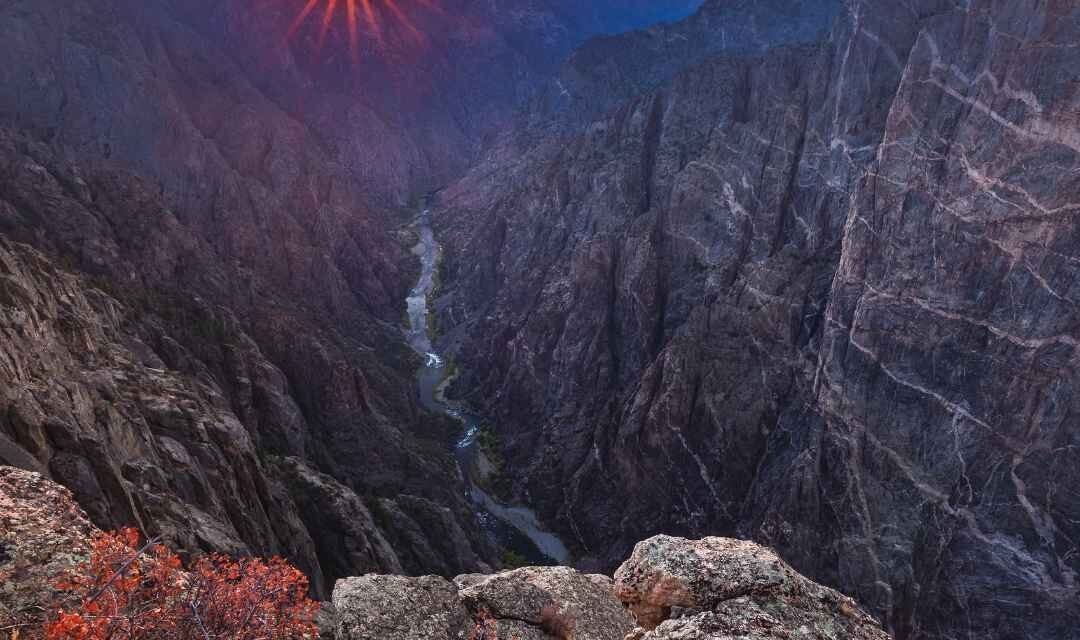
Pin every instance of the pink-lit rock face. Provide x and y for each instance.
(822, 296)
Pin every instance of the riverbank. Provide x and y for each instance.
(515, 528)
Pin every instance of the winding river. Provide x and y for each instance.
(514, 528)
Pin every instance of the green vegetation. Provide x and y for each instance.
(513, 560)
(489, 441)
(268, 458)
(496, 481)
(408, 237)
(450, 371)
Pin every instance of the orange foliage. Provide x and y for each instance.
(486, 627)
(128, 594)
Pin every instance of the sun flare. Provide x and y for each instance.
(379, 16)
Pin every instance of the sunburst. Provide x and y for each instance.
(378, 15)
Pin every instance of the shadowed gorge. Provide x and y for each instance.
(442, 288)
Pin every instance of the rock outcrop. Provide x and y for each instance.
(673, 588)
(546, 602)
(720, 588)
(822, 296)
(379, 606)
(532, 603)
(43, 535)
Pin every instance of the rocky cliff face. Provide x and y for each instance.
(219, 364)
(817, 291)
(821, 296)
(171, 390)
(606, 71)
(721, 588)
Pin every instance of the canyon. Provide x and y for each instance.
(795, 272)
(201, 331)
(821, 296)
(202, 286)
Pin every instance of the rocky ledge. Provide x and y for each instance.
(43, 533)
(670, 589)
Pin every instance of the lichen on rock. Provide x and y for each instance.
(43, 534)
(680, 589)
(675, 589)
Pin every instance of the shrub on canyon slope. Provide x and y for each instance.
(125, 593)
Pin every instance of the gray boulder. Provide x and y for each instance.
(548, 602)
(532, 603)
(676, 589)
(376, 607)
(718, 588)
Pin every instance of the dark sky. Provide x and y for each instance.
(623, 15)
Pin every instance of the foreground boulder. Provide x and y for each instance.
(674, 589)
(385, 607)
(723, 588)
(533, 603)
(669, 589)
(547, 602)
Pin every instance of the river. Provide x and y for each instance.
(511, 527)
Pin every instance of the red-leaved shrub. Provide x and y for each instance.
(125, 593)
